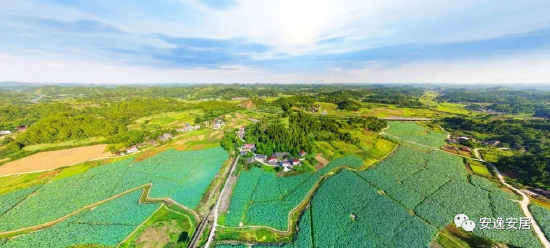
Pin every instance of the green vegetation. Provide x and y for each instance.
(302, 129)
(167, 226)
(417, 133)
(502, 99)
(404, 201)
(261, 199)
(182, 176)
(542, 216)
(533, 166)
(107, 225)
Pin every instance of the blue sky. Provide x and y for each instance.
(284, 41)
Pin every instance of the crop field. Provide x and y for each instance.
(479, 168)
(162, 120)
(435, 186)
(417, 133)
(404, 202)
(182, 176)
(261, 199)
(107, 225)
(72, 143)
(542, 215)
(54, 159)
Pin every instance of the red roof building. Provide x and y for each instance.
(466, 149)
(302, 153)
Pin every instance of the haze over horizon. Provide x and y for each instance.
(245, 41)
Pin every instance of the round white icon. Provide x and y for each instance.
(468, 225)
(459, 219)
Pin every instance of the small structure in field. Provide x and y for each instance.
(452, 141)
(186, 128)
(491, 142)
(5, 132)
(261, 158)
(248, 147)
(218, 124)
(165, 137)
(353, 217)
(302, 153)
(272, 160)
(452, 148)
(281, 154)
(466, 149)
(132, 149)
(240, 132)
(22, 128)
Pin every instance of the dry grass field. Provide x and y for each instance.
(54, 159)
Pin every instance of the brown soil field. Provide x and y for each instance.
(54, 159)
(321, 161)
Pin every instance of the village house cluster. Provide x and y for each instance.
(8, 132)
(280, 159)
(188, 127)
(218, 123)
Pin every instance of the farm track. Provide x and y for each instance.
(144, 199)
(524, 203)
(217, 207)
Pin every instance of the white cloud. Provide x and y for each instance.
(289, 26)
(528, 69)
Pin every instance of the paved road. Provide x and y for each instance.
(524, 203)
(220, 197)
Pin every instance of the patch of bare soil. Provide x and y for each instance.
(226, 197)
(321, 161)
(54, 159)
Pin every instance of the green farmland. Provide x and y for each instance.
(103, 204)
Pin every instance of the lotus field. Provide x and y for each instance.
(182, 176)
(107, 224)
(402, 202)
(542, 215)
(260, 198)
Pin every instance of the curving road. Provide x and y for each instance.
(524, 203)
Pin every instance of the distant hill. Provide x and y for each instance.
(10, 85)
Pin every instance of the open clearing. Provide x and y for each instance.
(54, 159)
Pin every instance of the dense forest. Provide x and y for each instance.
(296, 131)
(532, 135)
(64, 121)
(503, 99)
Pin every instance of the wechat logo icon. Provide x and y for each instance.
(463, 221)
